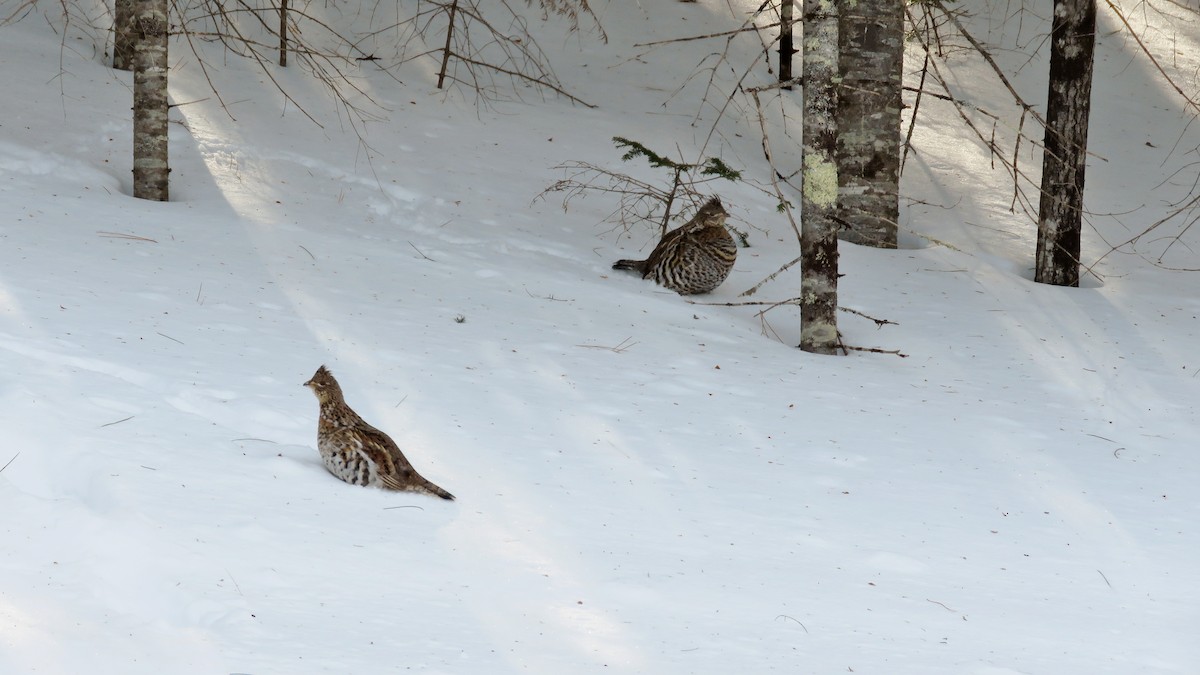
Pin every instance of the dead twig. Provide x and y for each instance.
(875, 350)
(879, 323)
(771, 277)
(1145, 50)
(942, 605)
(622, 346)
(709, 36)
(419, 252)
(769, 305)
(785, 616)
(123, 235)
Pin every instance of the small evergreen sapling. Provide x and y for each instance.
(643, 200)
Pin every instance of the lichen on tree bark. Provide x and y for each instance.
(1068, 107)
(124, 36)
(150, 158)
(818, 203)
(871, 45)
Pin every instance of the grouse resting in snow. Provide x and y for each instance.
(357, 452)
(695, 257)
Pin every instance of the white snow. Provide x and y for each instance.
(644, 485)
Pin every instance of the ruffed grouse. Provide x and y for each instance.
(357, 452)
(695, 257)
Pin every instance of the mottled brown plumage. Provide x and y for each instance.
(357, 452)
(695, 257)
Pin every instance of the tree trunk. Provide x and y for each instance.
(283, 19)
(786, 46)
(150, 167)
(123, 34)
(1068, 106)
(871, 44)
(819, 192)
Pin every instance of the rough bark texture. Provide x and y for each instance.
(818, 202)
(871, 43)
(150, 167)
(1068, 107)
(123, 34)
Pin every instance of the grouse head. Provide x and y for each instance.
(712, 214)
(324, 386)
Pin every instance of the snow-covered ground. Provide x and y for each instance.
(644, 485)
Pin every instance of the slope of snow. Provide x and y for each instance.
(644, 484)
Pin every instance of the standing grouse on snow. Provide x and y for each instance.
(695, 257)
(357, 452)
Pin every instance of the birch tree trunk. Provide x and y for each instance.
(123, 34)
(871, 45)
(819, 189)
(1068, 106)
(150, 167)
